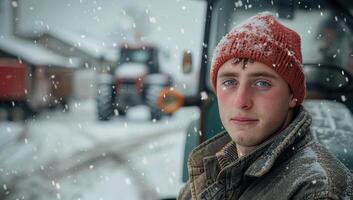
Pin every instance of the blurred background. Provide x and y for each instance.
(105, 99)
(63, 134)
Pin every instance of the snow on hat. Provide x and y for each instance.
(263, 39)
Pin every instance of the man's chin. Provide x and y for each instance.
(243, 130)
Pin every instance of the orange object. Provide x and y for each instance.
(167, 95)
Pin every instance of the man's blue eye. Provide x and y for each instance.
(263, 84)
(229, 82)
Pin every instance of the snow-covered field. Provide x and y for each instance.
(73, 156)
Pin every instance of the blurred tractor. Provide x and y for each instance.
(136, 80)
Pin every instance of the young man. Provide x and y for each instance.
(267, 150)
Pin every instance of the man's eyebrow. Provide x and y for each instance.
(252, 75)
(228, 74)
(263, 74)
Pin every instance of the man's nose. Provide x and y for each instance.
(243, 97)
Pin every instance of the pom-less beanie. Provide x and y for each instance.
(264, 39)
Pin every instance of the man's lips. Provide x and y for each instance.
(243, 120)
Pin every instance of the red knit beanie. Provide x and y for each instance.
(263, 39)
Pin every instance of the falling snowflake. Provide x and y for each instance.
(204, 95)
(144, 160)
(127, 181)
(152, 20)
(14, 4)
(238, 4)
(158, 190)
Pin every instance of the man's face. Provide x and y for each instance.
(254, 102)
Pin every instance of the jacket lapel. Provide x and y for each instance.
(296, 130)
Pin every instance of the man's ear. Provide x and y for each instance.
(292, 101)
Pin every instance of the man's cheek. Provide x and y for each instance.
(224, 110)
(221, 96)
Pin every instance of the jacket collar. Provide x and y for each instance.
(280, 144)
(201, 158)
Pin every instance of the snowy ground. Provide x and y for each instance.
(73, 156)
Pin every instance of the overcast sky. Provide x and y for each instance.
(175, 24)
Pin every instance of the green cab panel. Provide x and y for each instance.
(213, 125)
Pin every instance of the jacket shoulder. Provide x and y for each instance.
(320, 174)
(309, 172)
